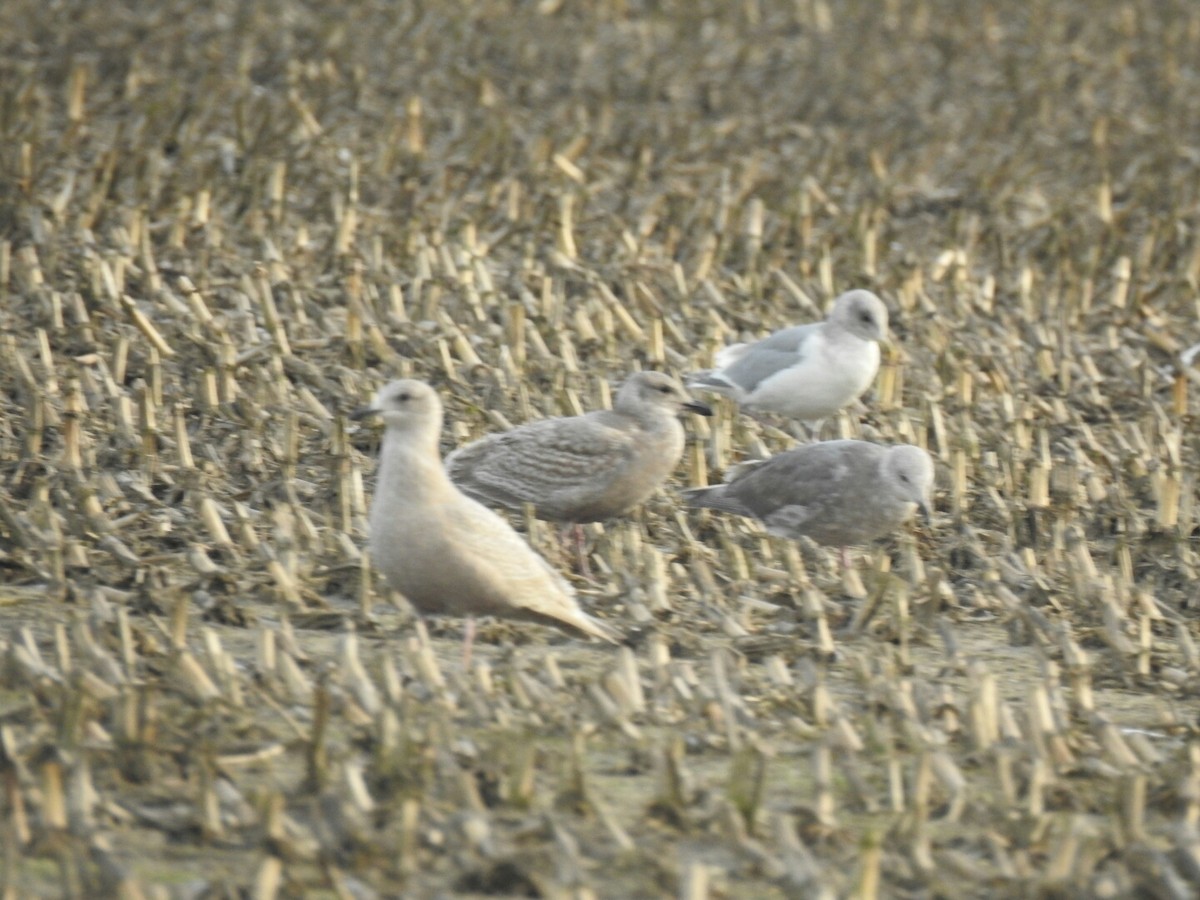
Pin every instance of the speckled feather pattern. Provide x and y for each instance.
(582, 468)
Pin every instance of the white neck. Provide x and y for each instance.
(410, 464)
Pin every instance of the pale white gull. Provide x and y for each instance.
(447, 553)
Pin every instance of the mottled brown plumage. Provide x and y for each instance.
(582, 468)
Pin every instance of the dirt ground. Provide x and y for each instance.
(223, 226)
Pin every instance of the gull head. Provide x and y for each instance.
(656, 390)
(862, 314)
(909, 472)
(406, 405)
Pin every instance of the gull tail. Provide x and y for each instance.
(713, 380)
(707, 498)
(593, 627)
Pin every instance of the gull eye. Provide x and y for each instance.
(665, 389)
(404, 397)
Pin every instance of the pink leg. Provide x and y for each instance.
(845, 559)
(580, 541)
(573, 535)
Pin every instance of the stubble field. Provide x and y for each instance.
(222, 226)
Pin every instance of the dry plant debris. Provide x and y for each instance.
(224, 225)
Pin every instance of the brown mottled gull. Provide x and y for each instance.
(805, 372)
(836, 492)
(582, 468)
(446, 553)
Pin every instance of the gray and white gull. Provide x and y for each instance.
(838, 493)
(805, 372)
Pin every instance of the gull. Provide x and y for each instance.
(445, 552)
(805, 372)
(585, 468)
(838, 493)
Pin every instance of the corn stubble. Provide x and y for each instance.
(219, 231)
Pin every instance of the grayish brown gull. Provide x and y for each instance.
(805, 372)
(582, 468)
(447, 553)
(838, 493)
